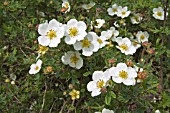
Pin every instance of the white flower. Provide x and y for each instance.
(51, 33)
(106, 34)
(75, 31)
(106, 111)
(142, 36)
(113, 11)
(116, 25)
(122, 12)
(88, 45)
(88, 6)
(115, 33)
(122, 73)
(72, 59)
(158, 13)
(100, 79)
(99, 22)
(136, 18)
(102, 41)
(66, 5)
(125, 46)
(157, 111)
(35, 68)
(136, 44)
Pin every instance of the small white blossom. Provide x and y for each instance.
(122, 73)
(113, 11)
(125, 46)
(142, 36)
(72, 59)
(35, 68)
(106, 34)
(116, 24)
(136, 19)
(51, 33)
(100, 79)
(158, 13)
(102, 41)
(99, 23)
(115, 33)
(88, 45)
(75, 31)
(123, 12)
(157, 111)
(66, 5)
(106, 111)
(88, 6)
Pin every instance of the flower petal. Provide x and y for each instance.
(54, 42)
(43, 29)
(97, 75)
(91, 86)
(129, 81)
(43, 40)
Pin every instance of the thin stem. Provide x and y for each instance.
(42, 106)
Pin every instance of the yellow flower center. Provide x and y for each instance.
(135, 43)
(88, 6)
(114, 10)
(74, 59)
(124, 47)
(73, 31)
(66, 5)
(74, 94)
(86, 43)
(51, 34)
(36, 68)
(159, 13)
(123, 13)
(100, 41)
(100, 84)
(136, 18)
(123, 74)
(142, 37)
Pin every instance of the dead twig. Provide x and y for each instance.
(42, 106)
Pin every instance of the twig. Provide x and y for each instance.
(62, 108)
(52, 106)
(22, 51)
(42, 106)
(72, 105)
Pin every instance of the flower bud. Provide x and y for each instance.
(129, 63)
(150, 50)
(6, 3)
(146, 44)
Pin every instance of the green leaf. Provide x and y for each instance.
(86, 74)
(108, 99)
(112, 94)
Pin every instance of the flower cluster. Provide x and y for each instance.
(120, 74)
(119, 11)
(75, 34)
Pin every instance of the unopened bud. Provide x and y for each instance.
(150, 50)
(146, 44)
(6, 3)
(129, 63)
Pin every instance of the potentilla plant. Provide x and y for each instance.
(85, 51)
